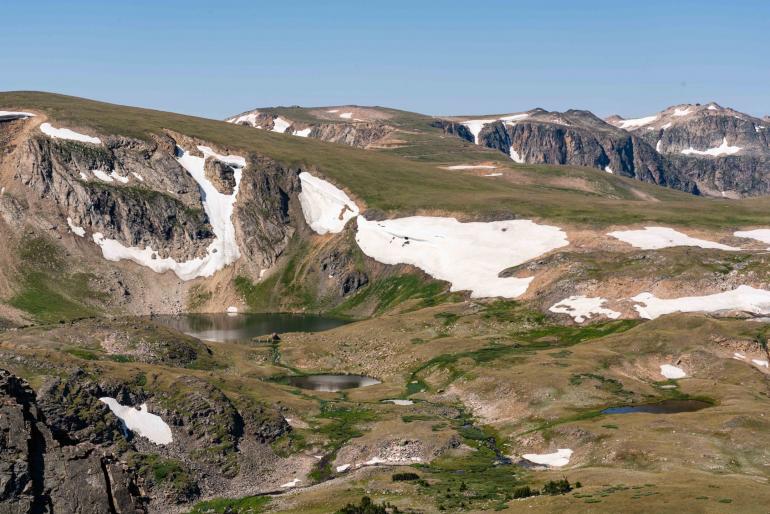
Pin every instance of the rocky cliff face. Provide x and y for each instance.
(581, 139)
(64, 451)
(46, 470)
(128, 190)
(726, 152)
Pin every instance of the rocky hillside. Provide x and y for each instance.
(726, 152)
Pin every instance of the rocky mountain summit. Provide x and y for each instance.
(726, 152)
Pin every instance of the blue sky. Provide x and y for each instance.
(438, 57)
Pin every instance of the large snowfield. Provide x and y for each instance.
(723, 149)
(141, 421)
(468, 255)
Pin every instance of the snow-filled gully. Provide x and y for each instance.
(219, 209)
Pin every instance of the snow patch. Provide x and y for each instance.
(141, 421)
(742, 298)
(468, 255)
(78, 231)
(723, 149)
(219, 209)
(101, 175)
(582, 308)
(516, 157)
(655, 238)
(667, 126)
(608, 170)
(471, 167)
(739, 356)
(636, 122)
(681, 112)
(760, 363)
(326, 208)
(280, 125)
(303, 133)
(672, 372)
(63, 133)
(343, 468)
(658, 145)
(293, 483)
(494, 175)
(509, 120)
(346, 115)
(399, 402)
(558, 459)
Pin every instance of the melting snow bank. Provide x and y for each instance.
(468, 255)
(743, 298)
(760, 234)
(326, 207)
(293, 483)
(219, 209)
(582, 308)
(655, 238)
(78, 231)
(63, 133)
(672, 372)
(399, 402)
(140, 421)
(723, 149)
(556, 460)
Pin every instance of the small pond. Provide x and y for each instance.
(329, 383)
(242, 327)
(664, 407)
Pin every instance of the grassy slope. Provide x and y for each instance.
(388, 182)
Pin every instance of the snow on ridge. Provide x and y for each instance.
(672, 372)
(63, 133)
(682, 112)
(219, 209)
(141, 421)
(742, 298)
(655, 238)
(636, 122)
(581, 308)
(327, 208)
(723, 149)
(19, 114)
(249, 118)
(557, 459)
(78, 231)
(468, 255)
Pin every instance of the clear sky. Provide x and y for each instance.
(217, 58)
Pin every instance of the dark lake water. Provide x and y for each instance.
(329, 383)
(242, 327)
(664, 407)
